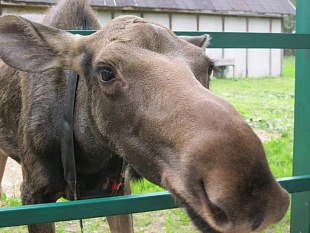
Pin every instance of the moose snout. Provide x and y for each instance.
(225, 213)
(223, 219)
(234, 193)
(259, 219)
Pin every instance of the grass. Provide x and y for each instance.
(266, 104)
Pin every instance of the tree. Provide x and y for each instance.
(289, 22)
(289, 26)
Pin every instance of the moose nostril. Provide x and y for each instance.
(257, 222)
(219, 215)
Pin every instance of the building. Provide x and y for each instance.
(196, 15)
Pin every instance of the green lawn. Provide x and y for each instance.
(267, 104)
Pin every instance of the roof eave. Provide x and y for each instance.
(157, 10)
(207, 12)
(40, 4)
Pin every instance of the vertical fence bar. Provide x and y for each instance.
(300, 217)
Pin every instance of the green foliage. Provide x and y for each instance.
(294, 2)
(288, 67)
(280, 158)
(289, 23)
(289, 26)
(9, 201)
(265, 103)
(175, 220)
(145, 187)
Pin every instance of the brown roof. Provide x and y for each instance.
(250, 7)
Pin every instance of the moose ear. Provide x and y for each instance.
(32, 47)
(200, 41)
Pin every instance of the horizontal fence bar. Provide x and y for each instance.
(245, 39)
(64, 211)
(295, 184)
(82, 209)
(255, 40)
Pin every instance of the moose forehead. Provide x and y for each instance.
(132, 35)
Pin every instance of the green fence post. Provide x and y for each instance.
(301, 163)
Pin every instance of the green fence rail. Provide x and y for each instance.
(300, 213)
(245, 39)
(72, 210)
(82, 209)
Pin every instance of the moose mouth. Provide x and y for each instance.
(199, 222)
(219, 216)
(203, 226)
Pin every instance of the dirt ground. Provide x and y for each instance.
(13, 175)
(12, 179)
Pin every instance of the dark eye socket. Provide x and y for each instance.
(106, 73)
(213, 68)
(210, 69)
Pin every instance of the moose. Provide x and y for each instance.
(139, 99)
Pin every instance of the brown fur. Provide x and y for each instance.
(154, 114)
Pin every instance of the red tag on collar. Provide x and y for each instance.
(116, 186)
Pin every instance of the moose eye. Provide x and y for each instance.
(214, 68)
(210, 69)
(106, 73)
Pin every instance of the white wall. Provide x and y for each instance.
(162, 19)
(104, 17)
(208, 23)
(259, 59)
(236, 24)
(258, 62)
(33, 14)
(276, 54)
(8, 10)
(184, 22)
(116, 14)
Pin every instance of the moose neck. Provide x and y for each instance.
(87, 131)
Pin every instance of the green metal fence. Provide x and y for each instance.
(298, 185)
(300, 217)
(54, 212)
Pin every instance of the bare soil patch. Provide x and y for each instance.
(12, 179)
(266, 136)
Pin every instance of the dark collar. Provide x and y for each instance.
(67, 148)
